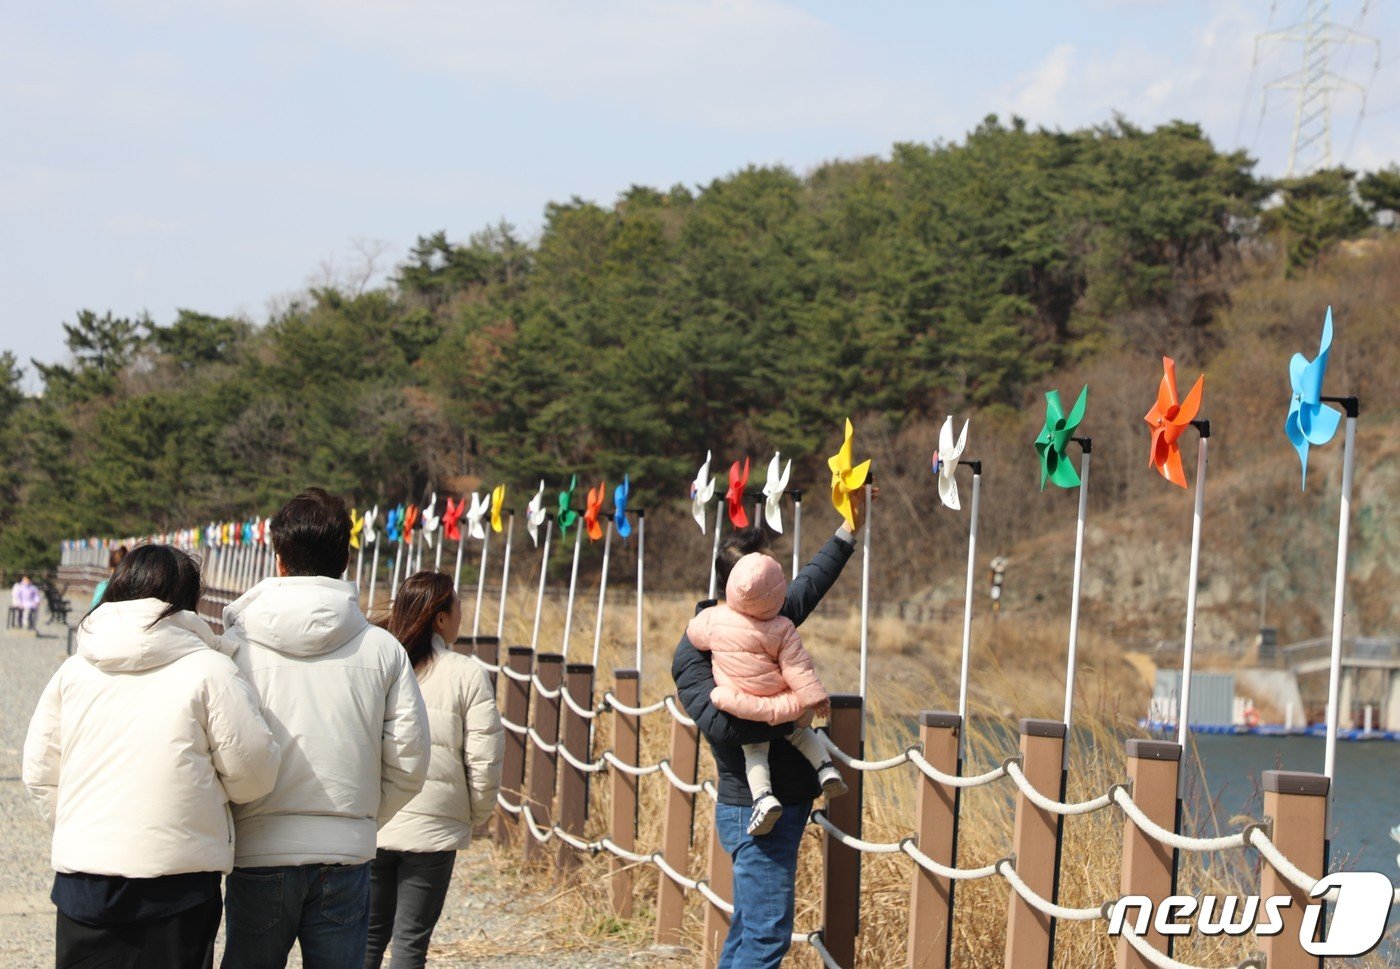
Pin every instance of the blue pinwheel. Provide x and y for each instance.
(1310, 421)
(620, 520)
(393, 524)
(248, 533)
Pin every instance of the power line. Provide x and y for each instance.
(1318, 37)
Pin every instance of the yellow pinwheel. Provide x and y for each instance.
(846, 479)
(498, 499)
(357, 525)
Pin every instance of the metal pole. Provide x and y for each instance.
(457, 571)
(544, 567)
(1086, 444)
(480, 584)
(1183, 722)
(967, 605)
(714, 554)
(1339, 597)
(641, 559)
(796, 533)
(602, 592)
(505, 579)
(373, 576)
(573, 584)
(865, 608)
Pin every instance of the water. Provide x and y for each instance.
(1367, 803)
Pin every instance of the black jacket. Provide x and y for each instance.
(794, 780)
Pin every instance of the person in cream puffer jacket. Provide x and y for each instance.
(139, 743)
(342, 700)
(412, 871)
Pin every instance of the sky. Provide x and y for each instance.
(219, 155)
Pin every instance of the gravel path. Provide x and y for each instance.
(494, 915)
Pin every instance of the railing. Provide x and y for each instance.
(550, 760)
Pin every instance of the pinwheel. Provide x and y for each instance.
(248, 532)
(1169, 418)
(267, 532)
(370, 535)
(498, 499)
(535, 515)
(430, 521)
(476, 515)
(1054, 438)
(593, 510)
(846, 479)
(1310, 421)
(734, 497)
(357, 526)
(702, 492)
(774, 486)
(620, 519)
(393, 524)
(450, 529)
(410, 521)
(567, 516)
(945, 463)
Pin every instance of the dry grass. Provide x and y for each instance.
(1017, 671)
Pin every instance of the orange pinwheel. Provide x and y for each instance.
(594, 509)
(1169, 418)
(738, 481)
(410, 518)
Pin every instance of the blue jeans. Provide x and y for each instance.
(324, 907)
(765, 875)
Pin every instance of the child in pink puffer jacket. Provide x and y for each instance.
(763, 672)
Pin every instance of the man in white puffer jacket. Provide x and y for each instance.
(342, 700)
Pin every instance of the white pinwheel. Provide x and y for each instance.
(702, 492)
(535, 515)
(476, 515)
(267, 532)
(368, 536)
(430, 521)
(945, 463)
(773, 488)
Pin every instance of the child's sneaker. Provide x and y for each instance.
(766, 812)
(832, 784)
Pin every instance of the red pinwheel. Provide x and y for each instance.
(734, 497)
(450, 518)
(593, 510)
(1169, 418)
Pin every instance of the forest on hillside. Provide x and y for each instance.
(742, 316)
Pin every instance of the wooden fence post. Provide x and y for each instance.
(675, 839)
(1296, 803)
(1149, 867)
(517, 713)
(573, 783)
(549, 667)
(1030, 935)
(721, 882)
(841, 865)
(931, 897)
(485, 648)
(627, 748)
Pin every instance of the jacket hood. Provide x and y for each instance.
(756, 587)
(303, 615)
(115, 637)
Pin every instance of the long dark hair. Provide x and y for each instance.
(420, 600)
(157, 572)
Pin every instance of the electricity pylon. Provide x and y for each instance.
(1315, 82)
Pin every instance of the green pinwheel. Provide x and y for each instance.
(567, 516)
(1055, 465)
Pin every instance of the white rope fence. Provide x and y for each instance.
(1119, 795)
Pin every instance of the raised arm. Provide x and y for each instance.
(817, 577)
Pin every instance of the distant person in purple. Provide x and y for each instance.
(25, 596)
